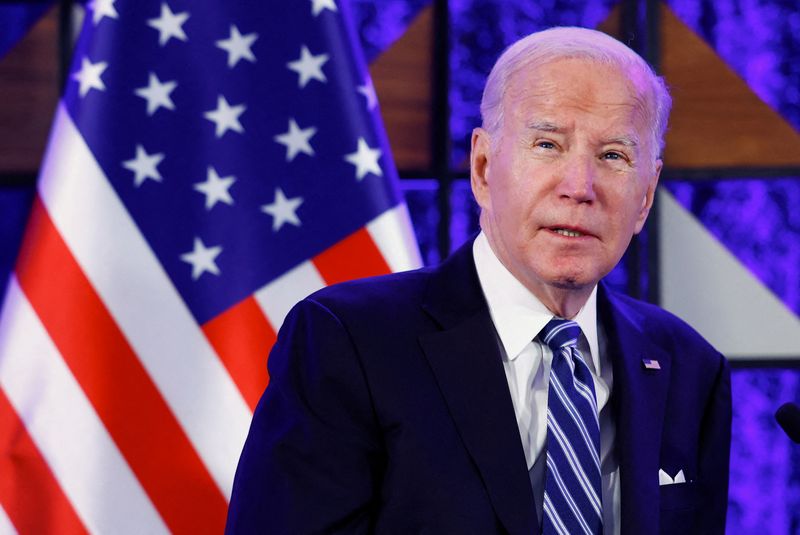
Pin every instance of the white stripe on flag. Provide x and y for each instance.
(280, 295)
(65, 428)
(6, 527)
(393, 235)
(146, 306)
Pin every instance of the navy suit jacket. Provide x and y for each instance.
(388, 411)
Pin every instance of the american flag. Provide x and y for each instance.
(651, 364)
(210, 164)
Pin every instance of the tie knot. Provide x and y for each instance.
(559, 333)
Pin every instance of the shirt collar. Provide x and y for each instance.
(518, 315)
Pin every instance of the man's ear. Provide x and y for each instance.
(479, 165)
(649, 197)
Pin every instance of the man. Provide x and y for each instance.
(436, 401)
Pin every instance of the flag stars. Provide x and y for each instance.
(216, 188)
(202, 259)
(102, 8)
(283, 210)
(308, 67)
(238, 46)
(226, 117)
(365, 159)
(144, 166)
(157, 94)
(368, 90)
(169, 25)
(89, 76)
(318, 5)
(296, 140)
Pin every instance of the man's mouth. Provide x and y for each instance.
(567, 232)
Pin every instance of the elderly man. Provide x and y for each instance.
(507, 390)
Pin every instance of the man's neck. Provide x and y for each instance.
(563, 302)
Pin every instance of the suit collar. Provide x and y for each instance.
(453, 292)
(639, 398)
(465, 358)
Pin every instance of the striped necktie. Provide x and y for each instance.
(572, 503)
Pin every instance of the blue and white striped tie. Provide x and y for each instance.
(572, 495)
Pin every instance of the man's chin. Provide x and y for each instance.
(569, 284)
(572, 282)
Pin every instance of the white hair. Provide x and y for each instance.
(575, 43)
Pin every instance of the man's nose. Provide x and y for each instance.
(577, 179)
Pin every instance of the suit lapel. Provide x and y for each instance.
(639, 397)
(465, 358)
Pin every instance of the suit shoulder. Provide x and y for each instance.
(373, 293)
(664, 327)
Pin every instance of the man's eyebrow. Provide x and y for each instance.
(547, 126)
(627, 141)
(544, 126)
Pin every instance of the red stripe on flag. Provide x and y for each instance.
(119, 388)
(242, 337)
(29, 491)
(354, 257)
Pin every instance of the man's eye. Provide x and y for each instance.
(613, 156)
(546, 145)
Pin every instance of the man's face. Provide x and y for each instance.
(570, 175)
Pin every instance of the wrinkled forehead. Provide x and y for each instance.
(581, 81)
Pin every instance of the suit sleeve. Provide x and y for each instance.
(715, 447)
(313, 456)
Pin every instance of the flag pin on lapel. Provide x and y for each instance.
(651, 364)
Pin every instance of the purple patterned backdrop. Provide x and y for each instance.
(381, 22)
(759, 39)
(764, 494)
(758, 221)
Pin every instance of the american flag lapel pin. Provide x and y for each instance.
(651, 364)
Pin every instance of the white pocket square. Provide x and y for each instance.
(665, 479)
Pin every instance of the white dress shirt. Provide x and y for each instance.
(518, 316)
